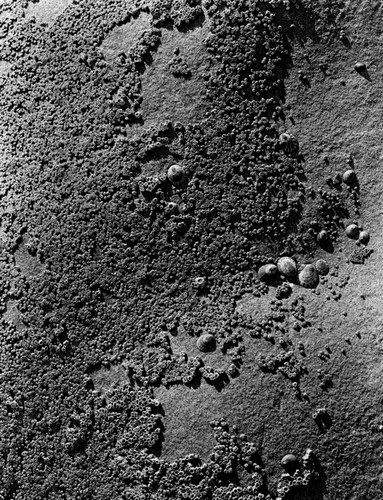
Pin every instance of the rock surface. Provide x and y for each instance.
(112, 273)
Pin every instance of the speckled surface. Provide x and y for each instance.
(111, 269)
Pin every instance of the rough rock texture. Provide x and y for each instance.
(110, 272)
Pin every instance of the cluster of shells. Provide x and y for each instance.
(307, 275)
(353, 230)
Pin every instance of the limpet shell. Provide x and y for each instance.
(322, 236)
(352, 231)
(308, 277)
(349, 177)
(287, 266)
(267, 272)
(322, 267)
(364, 237)
(206, 342)
(289, 462)
(176, 175)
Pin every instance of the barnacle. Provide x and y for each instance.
(289, 143)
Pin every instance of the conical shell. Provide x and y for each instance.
(206, 342)
(287, 266)
(352, 231)
(308, 277)
(267, 272)
(322, 267)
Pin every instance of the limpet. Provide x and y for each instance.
(267, 272)
(289, 462)
(287, 267)
(308, 277)
(322, 267)
(352, 231)
(176, 175)
(364, 237)
(206, 342)
(349, 177)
